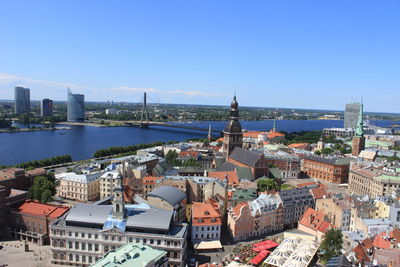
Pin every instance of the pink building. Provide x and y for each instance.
(240, 222)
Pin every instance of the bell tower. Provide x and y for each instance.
(233, 136)
(118, 196)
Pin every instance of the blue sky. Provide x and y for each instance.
(300, 53)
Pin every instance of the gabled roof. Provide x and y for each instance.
(315, 220)
(168, 193)
(247, 157)
(226, 166)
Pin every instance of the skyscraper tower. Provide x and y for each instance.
(233, 135)
(46, 108)
(351, 115)
(359, 139)
(75, 107)
(22, 100)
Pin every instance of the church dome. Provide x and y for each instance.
(234, 104)
(233, 126)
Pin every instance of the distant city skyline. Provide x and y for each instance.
(284, 54)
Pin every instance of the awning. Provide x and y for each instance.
(208, 245)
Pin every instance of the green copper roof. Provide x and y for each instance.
(360, 123)
(130, 255)
(388, 177)
(245, 194)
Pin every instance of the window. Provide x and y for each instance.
(158, 242)
(70, 257)
(89, 235)
(69, 244)
(83, 246)
(96, 247)
(76, 245)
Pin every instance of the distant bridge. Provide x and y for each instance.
(166, 124)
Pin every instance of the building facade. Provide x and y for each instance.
(338, 212)
(288, 165)
(333, 169)
(75, 107)
(233, 135)
(80, 187)
(46, 107)
(295, 202)
(22, 100)
(31, 220)
(206, 222)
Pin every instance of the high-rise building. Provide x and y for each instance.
(233, 135)
(22, 100)
(76, 107)
(46, 108)
(351, 114)
(359, 139)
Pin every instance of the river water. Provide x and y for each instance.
(82, 141)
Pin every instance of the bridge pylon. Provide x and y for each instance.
(145, 113)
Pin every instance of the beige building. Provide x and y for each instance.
(338, 212)
(373, 181)
(80, 187)
(106, 183)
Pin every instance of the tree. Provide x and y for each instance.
(42, 189)
(332, 244)
(318, 153)
(171, 156)
(326, 151)
(265, 184)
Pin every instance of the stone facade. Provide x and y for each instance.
(334, 170)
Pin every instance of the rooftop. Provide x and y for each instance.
(168, 193)
(205, 214)
(34, 207)
(130, 255)
(247, 157)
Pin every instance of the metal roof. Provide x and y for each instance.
(247, 157)
(89, 213)
(168, 193)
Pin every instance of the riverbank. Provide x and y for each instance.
(33, 129)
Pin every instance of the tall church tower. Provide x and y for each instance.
(359, 139)
(233, 136)
(118, 196)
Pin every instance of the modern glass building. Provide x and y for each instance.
(46, 108)
(76, 107)
(22, 100)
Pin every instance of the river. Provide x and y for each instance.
(82, 141)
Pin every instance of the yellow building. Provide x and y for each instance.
(382, 210)
(80, 187)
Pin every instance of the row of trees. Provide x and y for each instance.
(45, 162)
(123, 149)
(302, 137)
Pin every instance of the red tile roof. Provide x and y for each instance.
(361, 253)
(315, 220)
(275, 134)
(381, 241)
(187, 153)
(205, 214)
(36, 208)
(232, 176)
(251, 134)
(299, 145)
(258, 247)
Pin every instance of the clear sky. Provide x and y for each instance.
(300, 53)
